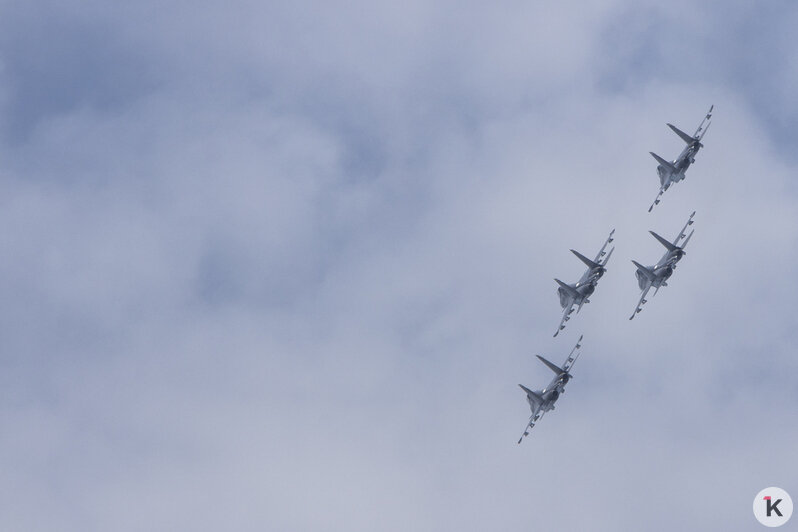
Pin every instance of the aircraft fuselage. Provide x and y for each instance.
(584, 291)
(661, 274)
(550, 394)
(584, 287)
(680, 164)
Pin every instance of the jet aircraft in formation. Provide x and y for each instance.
(578, 292)
(673, 171)
(543, 400)
(657, 275)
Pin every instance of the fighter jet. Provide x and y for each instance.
(543, 400)
(657, 275)
(578, 293)
(673, 172)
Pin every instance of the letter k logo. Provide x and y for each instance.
(772, 506)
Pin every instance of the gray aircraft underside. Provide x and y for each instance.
(542, 401)
(578, 293)
(674, 171)
(656, 276)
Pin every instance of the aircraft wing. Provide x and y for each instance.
(663, 162)
(640, 303)
(534, 418)
(645, 271)
(686, 240)
(659, 195)
(706, 128)
(572, 357)
(702, 128)
(601, 252)
(682, 233)
(566, 315)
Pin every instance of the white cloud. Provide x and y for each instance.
(291, 278)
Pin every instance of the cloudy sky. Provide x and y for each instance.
(281, 266)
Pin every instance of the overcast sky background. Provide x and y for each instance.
(281, 266)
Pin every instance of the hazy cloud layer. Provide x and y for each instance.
(272, 267)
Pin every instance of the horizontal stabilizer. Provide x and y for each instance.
(668, 245)
(645, 271)
(556, 369)
(684, 136)
(663, 162)
(568, 288)
(590, 264)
